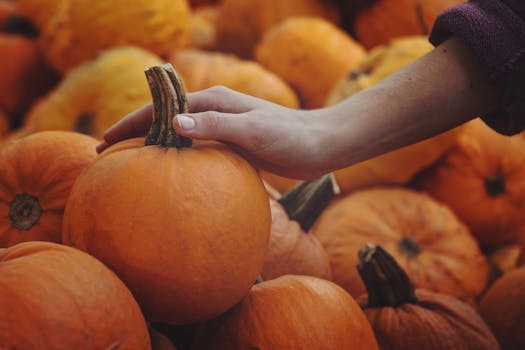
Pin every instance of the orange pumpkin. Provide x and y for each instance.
(300, 48)
(56, 297)
(290, 312)
(292, 250)
(81, 29)
(203, 69)
(425, 237)
(203, 22)
(20, 62)
(483, 180)
(185, 226)
(243, 23)
(37, 173)
(408, 319)
(376, 22)
(503, 308)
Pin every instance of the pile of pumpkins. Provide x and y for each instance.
(163, 242)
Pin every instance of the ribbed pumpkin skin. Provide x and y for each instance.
(436, 322)
(290, 312)
(387, 19)
(503, 308)
(291, 250)
(481, 180)
(43, 165)
(436, 250)
(203, 69)
(56, 297)
(186, 229)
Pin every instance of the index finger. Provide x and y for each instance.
(134, 124)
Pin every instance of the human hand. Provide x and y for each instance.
(272, 137)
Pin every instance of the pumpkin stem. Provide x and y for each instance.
(24, 211)
(386, 282)
(306, 200)
(169, 99)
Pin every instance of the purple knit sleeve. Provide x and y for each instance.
(495, 31)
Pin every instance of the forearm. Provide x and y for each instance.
(441, 90)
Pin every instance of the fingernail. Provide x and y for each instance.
(185, 122)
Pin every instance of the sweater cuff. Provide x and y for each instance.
(496, 35)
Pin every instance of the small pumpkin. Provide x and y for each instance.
(311, 54)
(435, 248)
(503, 308)
(81, 29)
(20, 62)
(292, 250)
(93, 97)
(290, 312)
(185, 225)
(37, 173)
(482, 180)
(408, 319)
(375, 22)
(243, 23)
(203, 22)
(203, 69)
(399, 166)
(58, 297)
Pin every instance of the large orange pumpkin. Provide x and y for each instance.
(56, 297)
(483, 180)
(435, 248)
(292, 249)
(185, 226)
(290, 312)
(36, 176)
(408, 319)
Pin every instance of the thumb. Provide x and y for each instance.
(213, 125)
